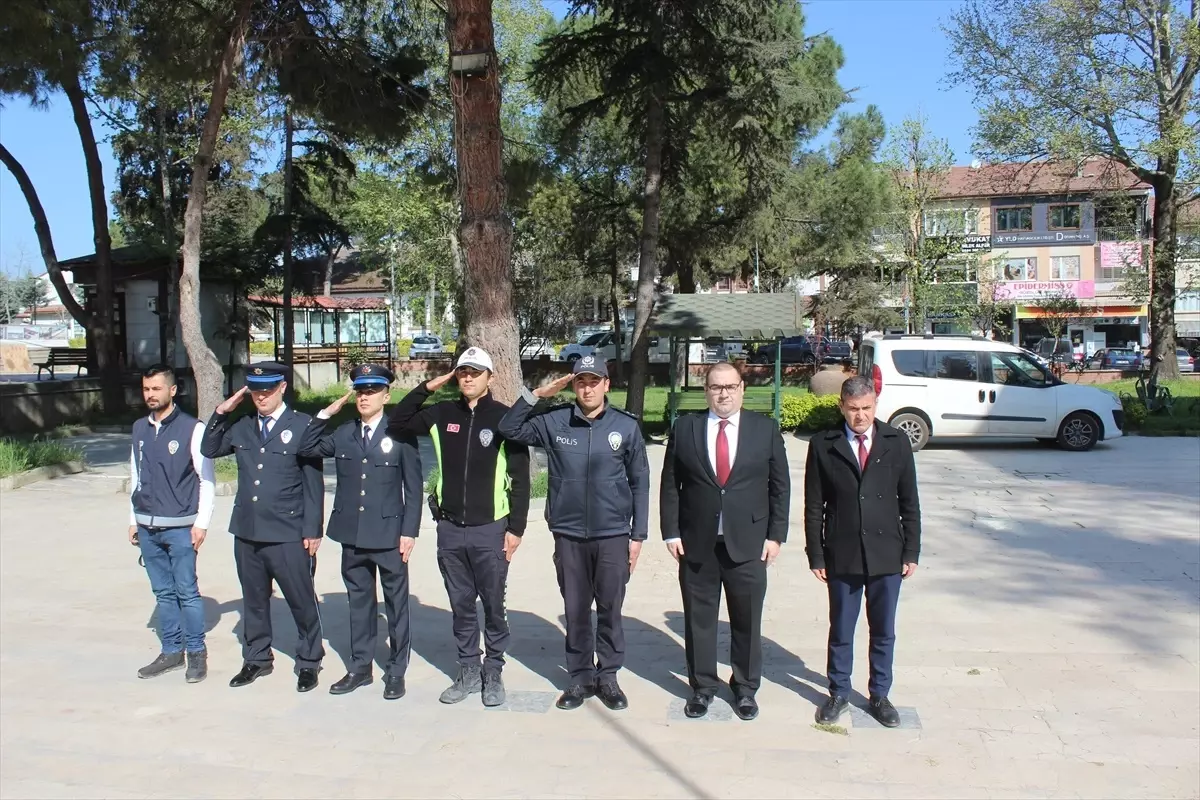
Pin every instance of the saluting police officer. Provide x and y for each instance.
(597, 509)
(276, 524)
(481, 503)
(376, 517)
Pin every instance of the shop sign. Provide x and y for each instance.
(975, 243)
(1033, 290)
(1036, 238)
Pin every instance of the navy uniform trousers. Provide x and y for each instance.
(290, 566)
(845, 603)
(359, 567)
(593, 570)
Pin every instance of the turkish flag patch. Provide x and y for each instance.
(452, 427)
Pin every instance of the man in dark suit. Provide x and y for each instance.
(862, 523)
(277, 520)
(376, 518)
(724, 514)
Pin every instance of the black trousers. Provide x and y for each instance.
(745, 586)
(291, 567)
(845, 603)
(471, 559)
(359, 567)
(593, 570)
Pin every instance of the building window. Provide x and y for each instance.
(1187, 301)
(1064, 217)
(1017, 218)
(1019, 269)
(951, 222)
(1118, 219)
(1064, 268)
(957, 273)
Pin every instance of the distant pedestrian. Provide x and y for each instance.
(376, 518)
(171, 504)
(597, 510)
(276, 523)
(862, 522)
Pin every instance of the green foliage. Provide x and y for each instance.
(77, 341)
(1135, 412)
(403, 347)
(540, 485)
(226, 469)
(432, 480)
(262, 348)
(19, 456)
(809, 412)
(25, 292)
(355, 354)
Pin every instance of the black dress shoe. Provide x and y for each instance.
(393, 687)
(832, 710)
(306, 680)
(884, 712)
(574, 696)
(349, 683)
(250, 673)
(697, 705)
(611, 695)
(746, 707)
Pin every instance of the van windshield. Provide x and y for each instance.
(594, 338)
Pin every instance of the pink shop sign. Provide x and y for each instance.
(1032, 290)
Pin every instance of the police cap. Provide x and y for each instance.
(266, 374)
(371, 375)
(591, 365)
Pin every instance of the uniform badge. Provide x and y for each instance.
(386, 445)
(485, 437)
(172, 447)
(614, 441)
(452, 427)
(590, 361)
(285, 437)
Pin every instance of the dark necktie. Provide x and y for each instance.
(366, 438)
(722, 452)
(265, 427)
(862, 452)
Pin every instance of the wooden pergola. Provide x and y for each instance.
(745, 318)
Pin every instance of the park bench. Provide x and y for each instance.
(63, 357)
(693, 399)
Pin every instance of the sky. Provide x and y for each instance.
(895, 58)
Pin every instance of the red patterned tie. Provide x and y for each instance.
(722, 453)
(862, 452)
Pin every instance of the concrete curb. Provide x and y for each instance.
(41, 474)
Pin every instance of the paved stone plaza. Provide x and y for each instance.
(1049, 646)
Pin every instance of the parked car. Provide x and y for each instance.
(425, 345)
(586, 347)
(833, 352)
(1115, 358)
(1187, 363)
(604, 345)
(794, 350)
(962, 386)
(536, 348)
(1057, 352)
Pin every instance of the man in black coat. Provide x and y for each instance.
(862, 523)
(723, 509)
(376, 518)
(276, 524)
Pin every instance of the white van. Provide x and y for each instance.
(971, 386)
(605, 346)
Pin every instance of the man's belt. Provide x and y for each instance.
(151, 521)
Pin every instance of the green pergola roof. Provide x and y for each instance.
(730, 316)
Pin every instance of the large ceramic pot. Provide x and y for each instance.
(828, 380)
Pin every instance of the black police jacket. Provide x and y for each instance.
(378, 495)
(599, 474)
(280, 494)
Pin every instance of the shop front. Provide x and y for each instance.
(1093, 328)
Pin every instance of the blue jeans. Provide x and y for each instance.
(171, 564)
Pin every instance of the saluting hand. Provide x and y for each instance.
(407, 543)
(231, 402)
(337, 405)
(440, 381)
(554, 387)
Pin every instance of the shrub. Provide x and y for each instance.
(1135, 413)
(403, 348)
(19, 456)
(262, 348)
(77, 341)
(226, 469)
(809, 412)
(540, 485)
(355, 354)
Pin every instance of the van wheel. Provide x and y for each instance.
(1079, 432)
(915, 427)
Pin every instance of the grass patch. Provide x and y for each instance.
(540, 485)
(834, 729)
(20, 456)
(1184, 419)
(226, 469)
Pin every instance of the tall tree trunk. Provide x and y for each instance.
(108, 359)
(330, 258)
(289, 320)
(615, 297)
(685, 275)
(1163, 363)
(41, 227)
(485, 230)
(460, 293)
(648, 257)
(205, 367)
(168, 312)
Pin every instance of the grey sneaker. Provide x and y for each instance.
(469, 681)
(493, 689)
(197, 666)
(166, 662)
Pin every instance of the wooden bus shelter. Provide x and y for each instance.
(719, 319)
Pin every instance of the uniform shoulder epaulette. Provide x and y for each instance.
(632, 416)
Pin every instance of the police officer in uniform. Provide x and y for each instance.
(171, 502)
(276, 522)
(597, 509)
(481, 504)
(376, 517)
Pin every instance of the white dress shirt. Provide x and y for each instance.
(204, 470)
(853, 439)
(369, 425)
(731, 436)
(273, 417)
